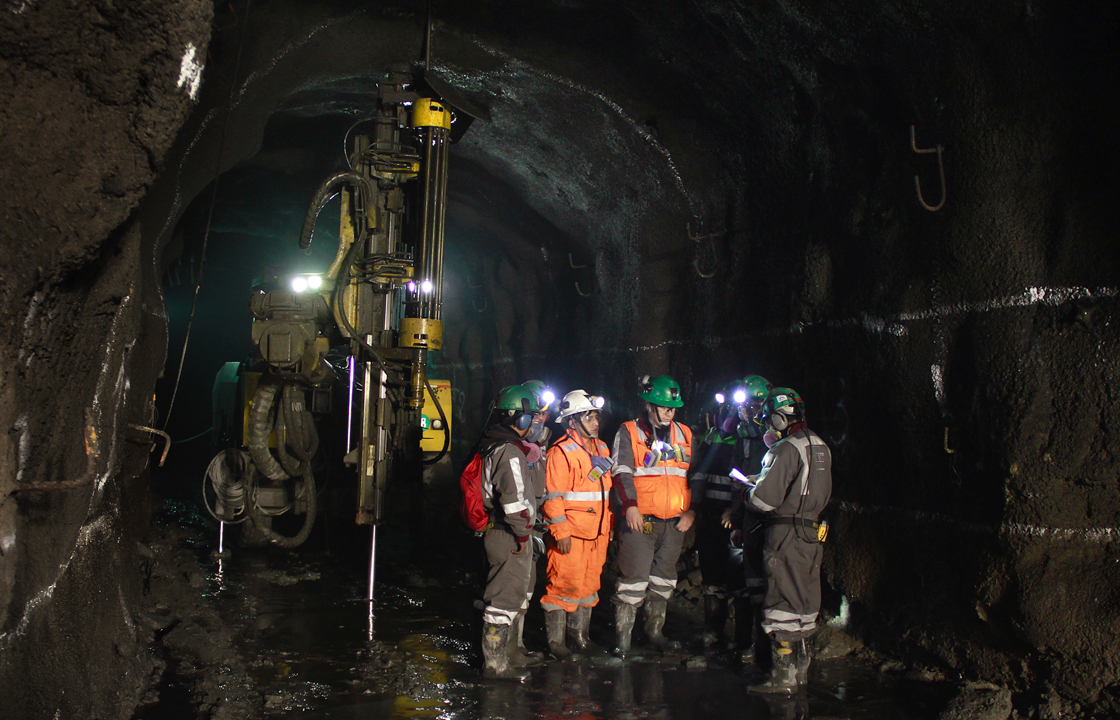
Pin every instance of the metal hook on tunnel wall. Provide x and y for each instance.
(581, 292)
(161, 433)
(573, 263)
(940, 169)
(698, 238)
(477, 309)
(701, 273)
(711, 238)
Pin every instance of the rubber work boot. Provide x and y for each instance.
(519, 657)
(744, 631)
(762, 651)
(495, 655)
(624, 616)
(715, 618)
(579, 622)
(803, 658)
(556, 624)
(783, 675)
(655, 609)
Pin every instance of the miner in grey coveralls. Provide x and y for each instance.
(793, 488)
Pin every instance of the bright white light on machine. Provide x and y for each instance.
(314, 282)
(299, 284)
(740, 396)
(720, 398)
(598, 401)
(411, 286)
(426, 286)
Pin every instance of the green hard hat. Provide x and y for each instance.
(758, 387)
(785, 401)
(518, 397)
(544, 394)
(661, 390)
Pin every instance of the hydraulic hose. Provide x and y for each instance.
(260, 427)
(308, 520)
(446, 427)
(323, 195)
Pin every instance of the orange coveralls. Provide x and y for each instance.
(576, 505)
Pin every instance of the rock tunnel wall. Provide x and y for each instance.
(781, 132)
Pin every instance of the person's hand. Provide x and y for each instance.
(725, 519)
(521, 545)
(684, 522)
(564, 545)
(634, 518)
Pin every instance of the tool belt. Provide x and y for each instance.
(819, 529)
(649, 520)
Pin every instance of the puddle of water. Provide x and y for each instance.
(304, 628)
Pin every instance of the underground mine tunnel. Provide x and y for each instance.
(904, 210)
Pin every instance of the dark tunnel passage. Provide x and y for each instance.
(904, 210)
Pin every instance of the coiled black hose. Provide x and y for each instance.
(261, 422)
(323, 195)
(308, 520)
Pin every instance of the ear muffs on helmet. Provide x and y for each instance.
(522, 418)
(779, 421)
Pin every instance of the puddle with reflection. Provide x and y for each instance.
(304, 630)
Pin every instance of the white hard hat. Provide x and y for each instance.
(578, 401)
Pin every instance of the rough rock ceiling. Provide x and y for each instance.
(782, 126)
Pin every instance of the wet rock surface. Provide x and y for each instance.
(963, 362)
(269, 633)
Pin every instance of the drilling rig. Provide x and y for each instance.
(380, 303)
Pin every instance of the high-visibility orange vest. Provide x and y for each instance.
(662, 488)
(576, 504)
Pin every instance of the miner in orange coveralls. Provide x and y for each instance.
(577, 512)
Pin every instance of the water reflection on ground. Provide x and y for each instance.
(313, 648)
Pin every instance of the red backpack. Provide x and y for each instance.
(470, 498)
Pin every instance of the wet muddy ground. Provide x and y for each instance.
(271, 633)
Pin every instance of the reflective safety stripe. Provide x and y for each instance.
(586, 496)
(660, 470)
(718, 494)
(498, 616)
(771, 627)
(570, 447)
(623, 469)
(761, 505)
(515, 507)
(639, 586)
(556, 520)
(551, 496)
(717, 479)
(517, 481)
(663, 582)
(700, 476)
(781, 615)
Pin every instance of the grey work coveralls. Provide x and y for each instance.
(793, 489)
(647, 562)
(511, 493)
